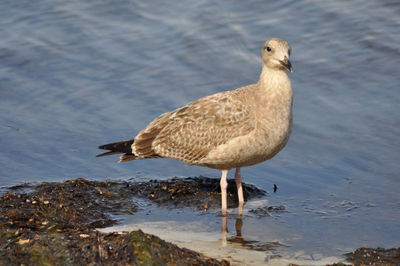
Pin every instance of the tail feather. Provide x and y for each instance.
(117, 147)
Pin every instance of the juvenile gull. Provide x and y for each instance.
(231, 129)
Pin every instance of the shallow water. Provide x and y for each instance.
(77, 74)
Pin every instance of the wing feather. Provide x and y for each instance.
(189, 133)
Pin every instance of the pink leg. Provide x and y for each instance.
(238, 179)
(224, 184)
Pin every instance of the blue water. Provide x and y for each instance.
(78, 74)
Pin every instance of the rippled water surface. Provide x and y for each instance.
(77, 74)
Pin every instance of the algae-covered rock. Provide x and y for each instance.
(55, 224)
(75, 204)
(374, 256)
(95, 248)
(196, 192)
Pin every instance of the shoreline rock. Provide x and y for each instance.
(56, 224)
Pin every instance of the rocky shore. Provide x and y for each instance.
(55, 223)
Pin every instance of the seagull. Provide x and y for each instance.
(226, 130)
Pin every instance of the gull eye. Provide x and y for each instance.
(268, 49)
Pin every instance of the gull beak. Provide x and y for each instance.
(286, 63)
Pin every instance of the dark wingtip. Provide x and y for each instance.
(116, 147)
(107, 153)
(104, 147)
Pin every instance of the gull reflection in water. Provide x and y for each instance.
(238, 224)
(239, 239)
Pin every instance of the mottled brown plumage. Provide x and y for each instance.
(226, 130)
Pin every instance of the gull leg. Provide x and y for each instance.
(224, 184)
(238, 179)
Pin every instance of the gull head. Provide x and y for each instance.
(275, 54)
